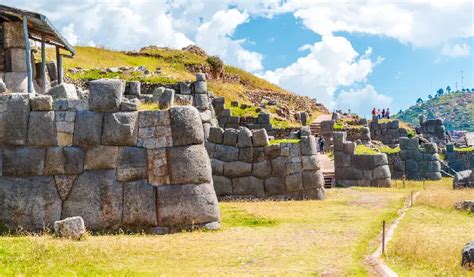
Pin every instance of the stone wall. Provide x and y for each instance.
(96, 159)
(433, 130)
(388, 132)
(359, 170)
(244, 165)
(420, 162)
(397, 165)
(459, 160)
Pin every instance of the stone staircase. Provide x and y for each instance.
(315, 128)
(329, 180)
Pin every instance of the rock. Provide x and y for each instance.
(183, 100)
(308, 146)
(184, 88)
(217, 167)
(381, 172)
(129, 105)
(237, 169)
(120, 129)
(201, 101)
(216, 135)
(29, 203)
(230, 137)
(88, 128)
(310, 162)
(41, 103)
(97, 197)
(16, 81)
(101, 157)
(263, 118)
(294, 182)
(52, 71)
(139, 204)
(63, 91)
(16, 120)
(262, 169)
(135, 88)
(186, 126)
(185, 205)
(260, 138)
(244, 139)
(465, 205)
(189, 165)
(248, 186)
(275, 185)
(200, 87)
(222, 185)
(312, 179)
(71, 228)
(64, 185)
(200, 77)
(3, 87)
(226, 153)
(106, 95)
(164, 97)
(132, 164)
(24, 161)
(467, 259)
(41, 129)
(246, 155)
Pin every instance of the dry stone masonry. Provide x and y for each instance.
(113, 168)
(433, 130)
(359, 170)
(245, 165)
(387, 132)
(420, 162)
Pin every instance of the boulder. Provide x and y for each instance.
(132, 164)
(182, 206)
(201, 101)
(312, 179)
(308, 146)
(3, 87)
(246, 155)
(129, 105)
(41, 129)
(24, 161)
(139, 204)
(189, 165)
(120, 129)
(101, 157)
(200, 76)
(29, 203)
(237, 169)
(41, 103)
(97, 197)
(250, 185)
(164, 97)
(106, 95)
(135, 88)
(184, 88)
(71, 228)
(230, 137)
(63, 91)
(262, 169)
(217, 167)
(467, 255)
(216, 135)
(260, 138)
(244, 139)
(310, 162)
(64, 185)
(275, 185)
(16, 81)
(226, 153)
(294, 182)
(200, 87)
(88, 128)
(186, 126)
(222, 185)
(16, 119)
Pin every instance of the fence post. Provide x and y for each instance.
(383, 237)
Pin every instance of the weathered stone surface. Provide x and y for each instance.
(186, 126)
(262, 169)
(54, 161)
(15, 59)
(120, 129)
(64, 185)
(189, 165)
(18, 113)
(201, 101)
(88, 128)
(200, 87)
(101, 157)
(275, 185)
(312, 179)
(216, 135)
(259, 154)
(308, 146)
(244, 139)
(279, 166)
(292, 166)
(13, 35)
(186, 205)
(217, 167)
(96, 196)
(132, 164)
(310, 162)
(71, 228)
(246, 155)
(105, 95)
(272, 151)
(294, 182)
(230, 137)
(157, 167)
(201, 77)
(3, 87)
(248, 186)
(129, 105)
(16, 81)
(433, 175)
(164, 97)
(381, 172)
(29, 203)
(260, 138)
(63, 91)
(462, 179)
(222, 185)
(226, 153)
(41, 129)
(237, 169)
(41, 103)
(135, 88)
(153, 118)
(139, 204)
(23, 161)
(184, 88)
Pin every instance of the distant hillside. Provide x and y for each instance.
(456, 109)
(167, 66)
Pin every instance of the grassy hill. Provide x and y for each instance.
(181, 65)
(456, 109)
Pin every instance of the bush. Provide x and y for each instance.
(217, 66)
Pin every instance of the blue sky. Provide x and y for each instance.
(346, 54)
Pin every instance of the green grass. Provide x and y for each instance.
(465, 149)
(389, 150)
(250, 111)
(153, 106)
(364, 150)
(279, 141)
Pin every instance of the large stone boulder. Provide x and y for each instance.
(106, 94)
(120, 129)
(222, 185)
(244, 139)
(60, 161)
(88, 128)
(132, 164)
(16, 81)
(189, 165)
(97, 197)
(260, 138)
(16, 120)
(101, 157)
(29, 203)
(187, 205)
(63, 91)
(41, 103)
(164, 97)
(186, 126)
(467, 259)
(24, 161)
(41, 129)
(463, 179)
(139, 204)
(71, 228)
(237, 169)
(249, 186)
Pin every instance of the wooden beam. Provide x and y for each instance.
(43, 64)
(59, 64)
(29, 70)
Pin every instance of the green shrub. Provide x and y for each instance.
(216, 64)
(411, 133)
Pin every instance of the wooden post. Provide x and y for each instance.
(383, 237)
(59, 63)
(411, 198)
(43, 64)
(29, 70)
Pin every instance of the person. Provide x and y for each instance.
(321, 145)
(383, 113)
(387, 113)
(378, 113)
(374, 112)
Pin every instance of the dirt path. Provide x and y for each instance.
(327, 165)
(323, 117)
(378, 266)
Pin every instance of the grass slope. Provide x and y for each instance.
(456, 109)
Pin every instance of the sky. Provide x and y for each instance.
(346, 54)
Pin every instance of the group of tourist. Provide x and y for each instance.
(385, 113)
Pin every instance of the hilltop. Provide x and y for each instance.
(456, 109)
(168, 66)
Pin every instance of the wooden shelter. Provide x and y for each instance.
(18, 28)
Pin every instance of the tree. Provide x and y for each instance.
(463, 90)
(430, 96)
(419, 101)
(468, 90)
(448, 89)
(440, 92)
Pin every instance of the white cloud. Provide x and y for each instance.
(69, 34)
(361, 101)
(331, 63)
(456, 50)
(215, 37)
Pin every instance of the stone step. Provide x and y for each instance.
(329, 180)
